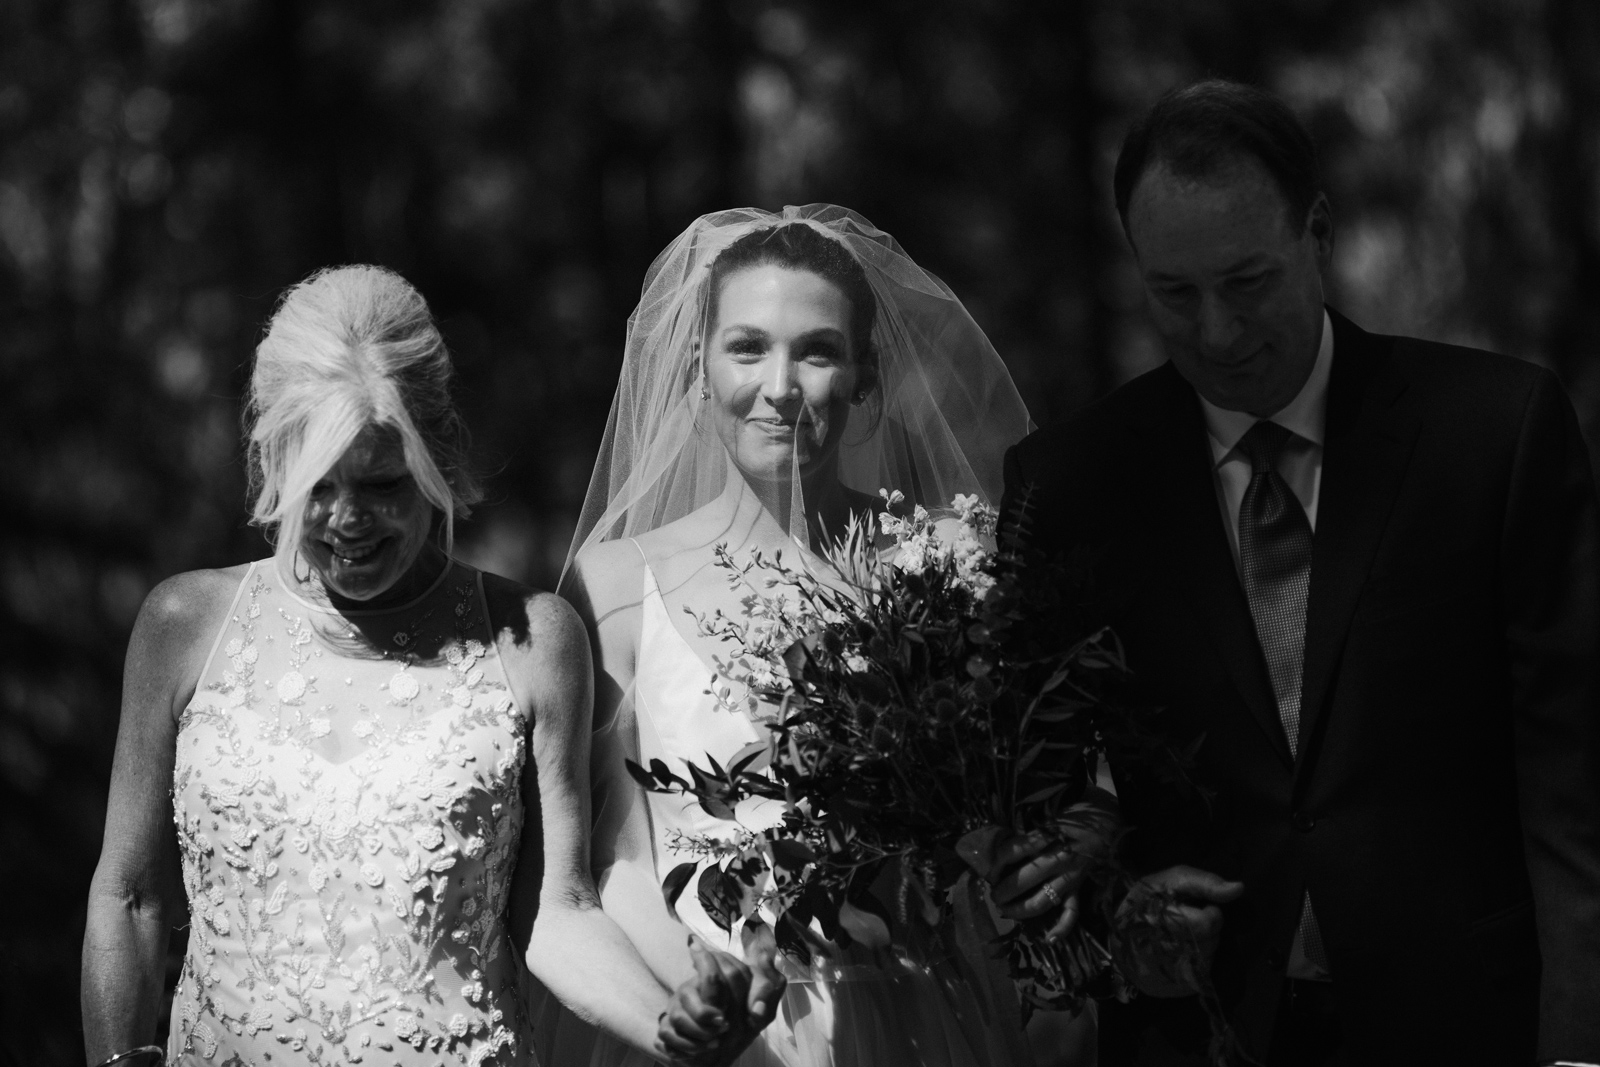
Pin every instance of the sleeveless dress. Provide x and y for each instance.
(931, 1001)
(348, 805)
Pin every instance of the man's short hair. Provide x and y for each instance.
(1198, 129)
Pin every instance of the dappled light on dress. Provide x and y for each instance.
(347, 795)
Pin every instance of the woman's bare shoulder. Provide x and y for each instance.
(190, 605)
(606, 578)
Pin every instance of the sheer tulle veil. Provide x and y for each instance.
(937, 424)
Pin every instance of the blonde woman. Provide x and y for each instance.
(366, 761)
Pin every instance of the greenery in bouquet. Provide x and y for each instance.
(928, 693)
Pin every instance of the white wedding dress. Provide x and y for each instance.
(936, 1001)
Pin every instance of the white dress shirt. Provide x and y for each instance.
(1301, 461)
(1300, 464)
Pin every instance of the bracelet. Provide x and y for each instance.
(157, 1056)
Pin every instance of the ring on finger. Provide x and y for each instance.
(1051, 893)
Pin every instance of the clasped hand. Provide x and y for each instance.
(1039, 873)
(1168, 927)
(716, 1014)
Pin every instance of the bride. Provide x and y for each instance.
(779, 371)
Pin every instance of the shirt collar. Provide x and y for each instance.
(1305, 416)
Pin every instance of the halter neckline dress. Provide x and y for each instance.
(932, 1001)
(348, 803)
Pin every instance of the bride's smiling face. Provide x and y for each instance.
(780, 369)
(367, 521)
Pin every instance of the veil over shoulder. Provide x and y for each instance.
(938, 424)
(935, 423)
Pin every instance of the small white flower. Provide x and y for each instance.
(430, 836)
(475, 648)
(243, 836)
(250, 654)
(460, 934)
(371, 874)
(300, 843)
(469, 907)
(233, 648)
(291, 687)
(453, 653)
(319, 727)
(319, 877)
(472, 992)
(236, 697)
(220, 922)
(473, 846)
(461, 696)
(257, 1019)
(403, 687)
(405, 1026)
(458, 1025)
(363, 729)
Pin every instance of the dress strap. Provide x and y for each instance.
(227, 621)
(650, 584)
(492, 640)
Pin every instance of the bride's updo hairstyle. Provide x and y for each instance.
(351, 347)
(797, 246)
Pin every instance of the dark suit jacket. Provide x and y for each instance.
(1444, 808)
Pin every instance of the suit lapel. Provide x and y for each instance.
(1182, 506)
(1366, 449)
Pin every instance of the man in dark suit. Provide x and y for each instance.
(1366, 570)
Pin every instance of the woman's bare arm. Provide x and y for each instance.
(606, 590)
(137, 889)
(574, 948)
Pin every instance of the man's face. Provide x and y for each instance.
(1235, 290)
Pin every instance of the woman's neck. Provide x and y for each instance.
(766, 509)
(417, 580)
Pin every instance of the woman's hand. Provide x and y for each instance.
(1038, 874)
(715, 1015)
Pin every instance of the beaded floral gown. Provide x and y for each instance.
(348, 805)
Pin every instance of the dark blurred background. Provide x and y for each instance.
(167, 167)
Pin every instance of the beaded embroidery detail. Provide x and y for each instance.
(349, 820)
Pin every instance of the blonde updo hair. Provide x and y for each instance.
(348, 348)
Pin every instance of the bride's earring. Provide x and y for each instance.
(704, 395)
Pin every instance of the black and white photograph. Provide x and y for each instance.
(800, 533)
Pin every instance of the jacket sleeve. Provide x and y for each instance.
(1550, 592)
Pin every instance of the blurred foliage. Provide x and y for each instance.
(167, 167)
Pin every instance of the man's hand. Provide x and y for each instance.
(1169, 927)
(715, 1015)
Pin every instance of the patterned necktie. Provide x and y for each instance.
(1275, 557)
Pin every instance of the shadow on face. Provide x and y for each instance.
(367, 522)
(780, 370)
(1233, 284)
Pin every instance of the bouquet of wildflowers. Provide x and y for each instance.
(930, 693)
